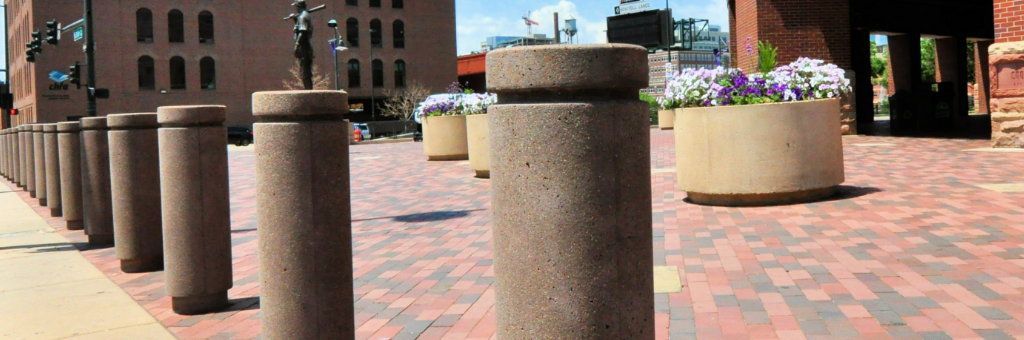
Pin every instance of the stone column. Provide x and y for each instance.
(50, 158)
(96, 201)
(302, 192)
(39, 161)
(1006, 60)
(29, 160)
(571, 177)
(135, 191)
(69, 149)
(196, 221)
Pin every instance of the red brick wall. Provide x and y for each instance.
(744, 33)
(807, 28)
(1009, 17)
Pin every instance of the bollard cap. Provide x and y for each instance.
(69, 127)
(50, 128)
(297, 104)
(94, 123)
(37, 127)
(567, 68)
(193, 115)
(132, 121)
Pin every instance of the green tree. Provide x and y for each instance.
(879, 66)
(928, 60)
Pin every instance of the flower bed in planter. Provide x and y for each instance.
(445, 130)
(444, 138)
(666, 119)
(478, 136)
(749, 140)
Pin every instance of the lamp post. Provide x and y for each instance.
(373, 85)
(337, 46)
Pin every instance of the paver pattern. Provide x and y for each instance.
(912, 248)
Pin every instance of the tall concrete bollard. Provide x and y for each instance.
(197, 226)
(69, 149)
(96, 201)
(39, 161)
(18, 149)
(135, 191)
(28, 159)
(304, 211)
(571, 176)
(52, 166)
(3, 153)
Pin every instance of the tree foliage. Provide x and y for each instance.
(402, 102)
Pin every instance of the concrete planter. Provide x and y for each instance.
(666, 119)
(478, 138)
(760, 154)
(444, 138)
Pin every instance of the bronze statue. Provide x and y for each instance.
(303, 39)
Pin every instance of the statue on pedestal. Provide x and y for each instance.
(303, 39)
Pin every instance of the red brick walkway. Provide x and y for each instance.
(912, 249)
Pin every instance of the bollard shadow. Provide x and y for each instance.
(48, 247)
(843, 192)
(425, 217)
(243, 231)
(249, 303)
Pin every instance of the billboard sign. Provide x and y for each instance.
(635, 6)
(650, 29)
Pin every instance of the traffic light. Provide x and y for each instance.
(36, 45)
(52, 32)
(75, 75)
(30, 56)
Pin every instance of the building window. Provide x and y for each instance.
(205, 27)
(352, 31)
(375, 34)
(178, 73)
(398, 32)
(353, 74)
(397, 4)
(352, 2)
(375, 3)
(399, 73)
(175, 26)
(144, 25)
(147, 73)
(208, 73)
(378, 73)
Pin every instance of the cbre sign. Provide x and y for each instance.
(633, 6)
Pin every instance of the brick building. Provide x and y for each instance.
(174, 52)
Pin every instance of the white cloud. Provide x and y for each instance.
(717, 11)
(473, 30)
(591, 30)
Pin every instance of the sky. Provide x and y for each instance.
(478, 19)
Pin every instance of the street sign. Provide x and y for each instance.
(634, 7)
(79, 33)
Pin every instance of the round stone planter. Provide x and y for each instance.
(477, 135)
(444, 138)
(757, 155)
(666, 119)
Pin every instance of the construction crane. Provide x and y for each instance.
(529, 24)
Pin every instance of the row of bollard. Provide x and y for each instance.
(571, 197)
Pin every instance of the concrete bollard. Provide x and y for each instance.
(39, 162)
(135, 191)
(28, 159)
(196, 221)
(304, 211)
(19, 169)
(52, 165)
(96, 201)
(4, 156)
(69, 149)
(571, 176)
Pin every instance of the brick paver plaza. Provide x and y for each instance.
(926, 241)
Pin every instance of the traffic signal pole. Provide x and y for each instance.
(90, 60)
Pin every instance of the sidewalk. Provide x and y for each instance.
(49, 291)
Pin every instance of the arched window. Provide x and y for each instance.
(352, 32)
(353, 73)
(399, 73)
(397, 4)
(375, 3)
(144, 25)
(208, 73)
(398, 33)
(375, 34)
(175, 26)
(205, 27)
(378, 73)
(178, 73)
(147, 73)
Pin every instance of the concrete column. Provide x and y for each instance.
(302, 193)
(18, 151)
(29, 160)
(3, 153)
(951, 66)
(981, 76)
(69, 149)
(570, 170)
(39, 161)
(96, 201)
(52, 165)
(197, 226)
(135, 191)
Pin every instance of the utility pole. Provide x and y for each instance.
(6, 115)
(90, 60)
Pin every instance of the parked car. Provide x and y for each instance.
(364, 129)
(240, 136)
